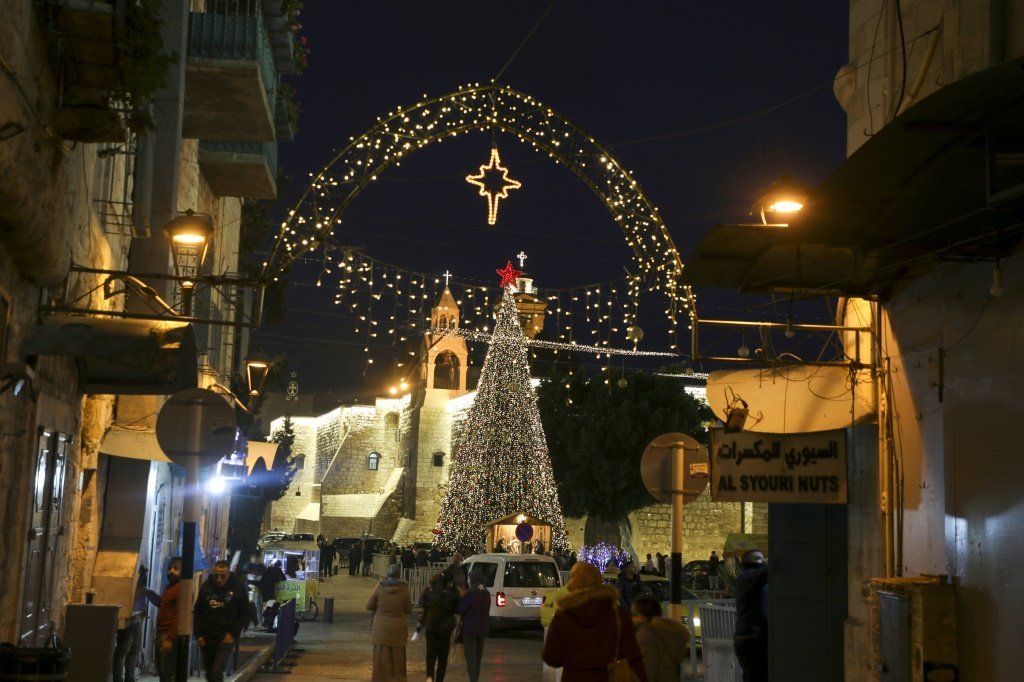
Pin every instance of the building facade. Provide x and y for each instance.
(98, 155)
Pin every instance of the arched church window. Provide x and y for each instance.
(300, 462)
(446, 371)
(439, 459)
(373, 461)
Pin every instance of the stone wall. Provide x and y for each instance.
(302, 490)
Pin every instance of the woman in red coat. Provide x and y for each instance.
(582, 636)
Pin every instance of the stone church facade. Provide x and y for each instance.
(382, 470)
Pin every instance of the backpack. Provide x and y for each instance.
(439, 613)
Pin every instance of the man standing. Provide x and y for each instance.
(713, 571)
(222, 610)
(355, 553)
(750, 638)
(129, 638)
(167, 623)
(629, 585)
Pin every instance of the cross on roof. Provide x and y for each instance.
(447, 275)
(522, 258)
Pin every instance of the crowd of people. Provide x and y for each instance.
(589, 627)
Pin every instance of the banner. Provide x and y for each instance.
(779, 467)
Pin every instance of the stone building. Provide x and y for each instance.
(383, 469)
(100, 319)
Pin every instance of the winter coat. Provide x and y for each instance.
(390, 603)
(475, 609)
(581, 638)
(221, 610)
(663, 643)
(439, 607)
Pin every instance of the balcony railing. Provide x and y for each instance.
(233, 29)
(239, 169)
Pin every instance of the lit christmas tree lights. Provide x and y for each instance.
(501, 464)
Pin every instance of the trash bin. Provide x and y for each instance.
(328, 609)
(33, 663)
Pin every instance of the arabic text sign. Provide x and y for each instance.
(776, 467)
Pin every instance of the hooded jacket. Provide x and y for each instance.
(221, 610)
(663, 643)
(391, 602)
(581, 638)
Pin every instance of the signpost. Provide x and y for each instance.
(674, 467)
(194, 426)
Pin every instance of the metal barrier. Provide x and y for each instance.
(284, 642)
(418, 578)
(718, 621)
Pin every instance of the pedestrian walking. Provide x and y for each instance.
(221, 613)
(439, 604)
(662, 641)
(367, 557)
(590, 629)
(390, 602)
(750, 638)
(713, 571)
(547, 613)
(475, 610)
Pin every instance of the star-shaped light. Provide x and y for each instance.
(509, 274)
(493, 196)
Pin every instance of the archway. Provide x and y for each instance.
(482, 108)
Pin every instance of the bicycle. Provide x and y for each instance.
(311, 611)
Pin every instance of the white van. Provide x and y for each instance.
(517, 583)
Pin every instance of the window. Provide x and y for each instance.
(439, 459)
(446, 371)
(300, 462)
(488, 570)
(531, 574)
(373, 461)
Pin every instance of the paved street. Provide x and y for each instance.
(341, 651)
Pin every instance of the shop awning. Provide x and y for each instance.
(127, 357)
(310, 513)
(132, 443)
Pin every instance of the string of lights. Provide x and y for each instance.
(471, 109)
(484, 337)
(500, 464)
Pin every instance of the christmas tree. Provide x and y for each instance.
(501, 464)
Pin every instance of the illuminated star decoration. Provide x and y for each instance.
(509, 274)
(493, 196)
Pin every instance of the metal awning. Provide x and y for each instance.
(945, 180)
(128, 357)
(132, 443)
(258, 450)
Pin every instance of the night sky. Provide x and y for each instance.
(704, 103)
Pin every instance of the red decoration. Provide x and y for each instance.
(509, 275)
(436, 531)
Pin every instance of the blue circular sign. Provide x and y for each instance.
(524, 532)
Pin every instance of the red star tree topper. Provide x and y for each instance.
(509, 274)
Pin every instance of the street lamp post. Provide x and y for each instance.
(190, 235)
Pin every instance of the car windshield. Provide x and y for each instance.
(531, 574)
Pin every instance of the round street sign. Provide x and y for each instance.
(656, 467)
(196, 422)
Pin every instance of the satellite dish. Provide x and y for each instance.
(196, 422)
(656, 467)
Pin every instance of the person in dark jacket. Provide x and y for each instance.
(750, 638)
(475, 609)
(629, 585)
(269, 580)
(439, 603)
(221, 612)
(367, 557)
(355, 554)
(584, 636)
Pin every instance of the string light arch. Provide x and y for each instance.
(484, 108)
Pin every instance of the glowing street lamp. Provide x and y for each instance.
(257, 366)
(190, 235)
(780, 201)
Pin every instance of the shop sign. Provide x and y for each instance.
(777, 467)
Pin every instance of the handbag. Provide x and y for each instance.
(619, 669)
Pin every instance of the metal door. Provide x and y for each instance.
(44, 537)
(894, 637)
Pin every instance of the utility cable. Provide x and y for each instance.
(525, 40)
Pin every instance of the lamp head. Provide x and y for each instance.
(190, 235)
(257, 366)
(780, 201)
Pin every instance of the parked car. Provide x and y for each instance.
(343, 545)
(517, 583)
(695, 574)
(661, 588)
(271, 537)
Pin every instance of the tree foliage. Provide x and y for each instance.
(597, 431)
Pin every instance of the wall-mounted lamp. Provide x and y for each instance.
(780, 201)
(257, 366)
(190, 235)
(16, 376)
(735, 413)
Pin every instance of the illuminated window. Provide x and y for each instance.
(373, 461)
(439, 459)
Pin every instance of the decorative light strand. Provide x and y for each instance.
(493, 167)
(484, 337)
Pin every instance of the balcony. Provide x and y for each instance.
(230, 69)
(283, 124)
(239, 169)
(281, 37)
